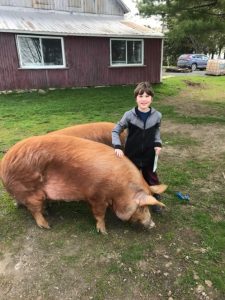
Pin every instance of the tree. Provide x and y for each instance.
(194, 25)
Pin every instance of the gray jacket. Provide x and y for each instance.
(141, 138)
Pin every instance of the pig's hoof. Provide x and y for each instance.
(102, 231)
(18, 205)
(44, 225)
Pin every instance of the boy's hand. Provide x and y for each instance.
(157, 150)
(119, 152)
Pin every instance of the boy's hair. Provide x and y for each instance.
(143, 87)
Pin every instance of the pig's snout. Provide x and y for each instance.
(149, 224)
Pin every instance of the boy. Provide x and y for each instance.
(143, 138)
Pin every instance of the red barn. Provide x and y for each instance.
(73, 43)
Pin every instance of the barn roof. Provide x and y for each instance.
(31, 21)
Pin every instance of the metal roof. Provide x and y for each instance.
(31, 21)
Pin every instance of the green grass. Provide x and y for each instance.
(130, 262)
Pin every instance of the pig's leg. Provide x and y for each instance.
(99, 214)
(35, 204)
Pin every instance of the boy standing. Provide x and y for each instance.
(143, 138)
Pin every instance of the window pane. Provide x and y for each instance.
(30, 51)
(118, 52)
(52, 52)
(134, 52)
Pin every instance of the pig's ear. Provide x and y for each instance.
(158, 189)
(150, 200)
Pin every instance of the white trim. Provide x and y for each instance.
(63, 66)
(41, 47)
(127, 65)
(119, 36)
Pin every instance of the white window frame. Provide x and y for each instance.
(127, 65)
(41, 66)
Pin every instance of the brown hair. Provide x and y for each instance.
(143, 87)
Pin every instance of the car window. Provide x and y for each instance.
(183, 56)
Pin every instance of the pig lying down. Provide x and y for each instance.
(72, 169)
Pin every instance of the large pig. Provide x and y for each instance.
(70, 169)
(100, 132)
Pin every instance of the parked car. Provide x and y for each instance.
(192, 61)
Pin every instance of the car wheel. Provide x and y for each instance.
(193, 67)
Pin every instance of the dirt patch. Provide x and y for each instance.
(193, 84)
(31, 273)
(210, 137)
(196, 99)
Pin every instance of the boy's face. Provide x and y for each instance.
(143, 101)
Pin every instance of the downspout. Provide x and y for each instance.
(161, 64)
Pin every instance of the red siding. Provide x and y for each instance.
(88, 64)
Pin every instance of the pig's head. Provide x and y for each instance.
(136, 209)
(142, 214)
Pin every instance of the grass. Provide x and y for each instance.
(71, 260)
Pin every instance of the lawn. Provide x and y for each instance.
(182, 258)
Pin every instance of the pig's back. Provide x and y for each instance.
(49, 161)
(99, 132)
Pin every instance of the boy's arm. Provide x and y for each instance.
(120, 126)
(158, 141)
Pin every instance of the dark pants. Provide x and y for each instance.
(150, 177)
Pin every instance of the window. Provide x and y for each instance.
(126, 52)
(40, 52)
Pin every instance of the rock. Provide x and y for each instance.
(208, 283)
(200, 288)
(20, 91)
(203, 250)
(18, 265)
(168, 264)
(196, 277)
(41, 92)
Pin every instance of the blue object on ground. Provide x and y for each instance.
(182, 196)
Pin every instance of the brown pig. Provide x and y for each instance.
(100, 132)
(71, 169)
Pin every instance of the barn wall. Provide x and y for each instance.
(88, 64)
